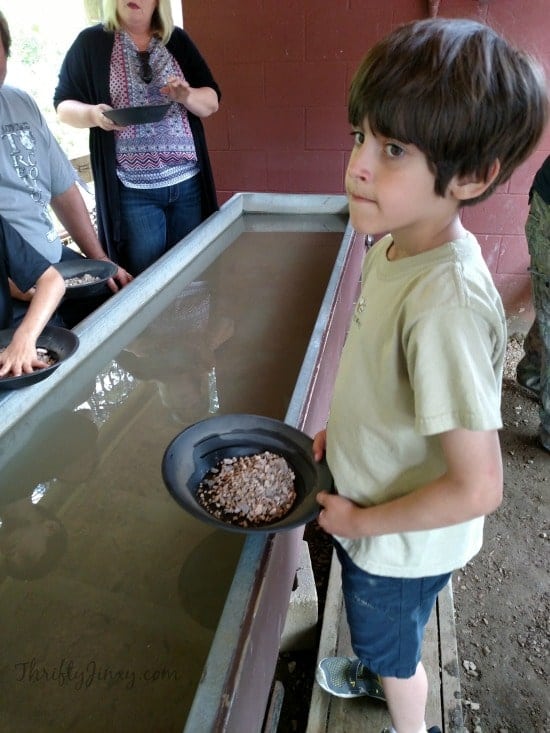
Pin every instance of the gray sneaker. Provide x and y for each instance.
(347, 677)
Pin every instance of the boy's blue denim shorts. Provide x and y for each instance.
(387, 616)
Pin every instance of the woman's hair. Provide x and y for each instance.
(5, 34)
(459, 92)
(162, 22)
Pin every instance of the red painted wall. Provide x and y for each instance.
(284, 69)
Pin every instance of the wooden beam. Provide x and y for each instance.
(329, 714)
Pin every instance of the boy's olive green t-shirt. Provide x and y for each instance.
(424, 355)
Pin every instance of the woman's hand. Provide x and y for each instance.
(176, 89)
(82, 115)
(201, 101)
(99, 118)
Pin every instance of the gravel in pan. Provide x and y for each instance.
(250, 490)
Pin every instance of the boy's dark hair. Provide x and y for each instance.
(5, 34)
(457, 91)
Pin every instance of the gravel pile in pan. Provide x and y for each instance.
(250, 490)
(45, 356)
(85, 279)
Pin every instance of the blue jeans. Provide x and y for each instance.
(155, 219)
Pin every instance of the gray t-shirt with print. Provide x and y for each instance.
(33, 170)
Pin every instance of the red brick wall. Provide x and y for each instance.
(284, 68)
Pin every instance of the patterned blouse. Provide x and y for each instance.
(154, 154)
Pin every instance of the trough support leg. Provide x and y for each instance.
(300, 627)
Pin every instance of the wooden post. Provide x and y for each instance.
(433, 7)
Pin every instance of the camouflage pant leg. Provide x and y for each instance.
(528, 369)
(537, 343)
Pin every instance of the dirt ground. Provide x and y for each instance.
(502, 597)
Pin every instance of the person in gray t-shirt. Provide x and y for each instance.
(37, 177)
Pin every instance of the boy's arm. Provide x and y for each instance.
(471, 487)
(19, 357)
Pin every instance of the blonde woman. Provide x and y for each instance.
(153, 182)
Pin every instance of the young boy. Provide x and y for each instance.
(21, 263)
(442, 112)
(533, 371)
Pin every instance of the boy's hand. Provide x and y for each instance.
(319, 445)
(16, 360)
(339, 516)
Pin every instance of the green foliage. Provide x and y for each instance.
(34, 64)
(28, 49)
(93, 10)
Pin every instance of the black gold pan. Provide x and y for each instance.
(201, 446)
(137, 115)
(100, 271)
(59, 342)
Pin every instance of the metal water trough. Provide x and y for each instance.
(237, 677)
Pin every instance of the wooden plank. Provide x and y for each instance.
(327, 712)
(83, 167)
(451, 696)
(328, 644)
(355, 716)
(274, 709)
(330, 714)
(430, 659)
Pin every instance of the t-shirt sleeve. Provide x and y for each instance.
(455, 359)
(24, 265)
